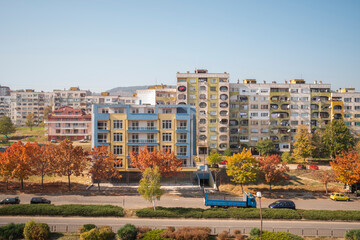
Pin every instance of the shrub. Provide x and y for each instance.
(154, 235)
(352, 234)
(102, 233)
(92, 234)
(12, 231)
(273, 235)
(62, 210)
(287, 158)
(224, 235)
(238, 235)
(106, 233)
(36, 231)
(199, 233)
(86, 227)
(127, 232)
(141, 231)
(331, 215)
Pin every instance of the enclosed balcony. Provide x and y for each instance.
(274, 107)
(314, 107)
(337, 108)
(224, 113)
(223, 89)
(224, 121)
(285, 106)
(280, 115)
(224, 105)
(223, 129)
(224, 96)
(337, 116)
(320, 99)
(279, 99)
(233, 122)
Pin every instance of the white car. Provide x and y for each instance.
(83, 140)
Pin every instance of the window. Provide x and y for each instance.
(294, 99)
(213, 89)
(254, 114)
(118, 124)
(167, 110)
(254, 130)
(347, 99)
(192, 97)
(166, 124)
(102, 138)
(348, 107)
(212, 129)
(213, 80)
(254, 98)
(212, 112)
(357, 99)
(264, 106)
(348, 124)
(347, 115)
(304, 114)
(150, 149)
(212, 96)
(57, 130)
(212, 137)
(294, 114)
(166, 137)
(192, 80)
(304, 106)
(254, 106)
(135, 110)
(134, 149)
(264, 114)
(192, 89)
(150, 110)
(182, 151)
(167, 148)
(304, 99)
(264, 130)
(117, 137)
(118, 150)
(213, 105)
(58, 125)
(102, 125)
(212, 120)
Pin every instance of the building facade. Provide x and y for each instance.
(23, 103)
(208, 93)
(68, 123)
(125, 128)
(158, 94)
(74, 97)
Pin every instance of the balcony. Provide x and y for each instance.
(142, 142)
(181, 154)
(142, 129)
(181, 140)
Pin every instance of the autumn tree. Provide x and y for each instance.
(6, 126)
(18, 159)
(265, 147)
(103, 165)
(346, 167)
(42, 159)
(166, 161)
(6, 168)
(243, 167)
(337, 138)
(272, 170)
(30, 121)
(47, 111)
(325, 178)
(320, 150)
(228, 152)
(303, 146)
(149, 186)
(213, 160)
(70, 160)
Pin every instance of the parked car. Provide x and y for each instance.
(339, 197)
(314, 167)
(301, 167)
(283, 204)
(83, 140)
(223, 162)
(53, 140)
(14, 200)
(39, 200)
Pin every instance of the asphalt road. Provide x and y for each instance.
(133, 202)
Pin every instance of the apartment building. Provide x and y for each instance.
(103, 98)
(158, 94)
(274, 110)
(74, 97)
(68, 123)
(208, 93)
(124, 128)
(25, 102)
(345, 104)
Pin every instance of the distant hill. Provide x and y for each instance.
(128, 91)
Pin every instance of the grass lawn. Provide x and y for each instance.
(64, 236)
(24, 134)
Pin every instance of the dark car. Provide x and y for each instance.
(39, 200)
(301, 167)
(14, 200)
(283, 204)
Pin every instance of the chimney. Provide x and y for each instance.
(285, 82)
(264, 81)
(315, 82)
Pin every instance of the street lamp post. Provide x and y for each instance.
(258, 195)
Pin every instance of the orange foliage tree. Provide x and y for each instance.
(325, 178)
(43, 160)
(6, 167)
(167, 162)
(347, 167)
(18, 159)
(103, 165)
(272, 170)
(70, 160)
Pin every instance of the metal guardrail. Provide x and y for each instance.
(304, 232)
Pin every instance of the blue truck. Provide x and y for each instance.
(248, 201)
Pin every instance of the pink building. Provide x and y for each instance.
(69, 123)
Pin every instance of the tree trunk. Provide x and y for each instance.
(326, 188)
(154, 203)
(7, 184)
(270, 187)
(98, 185)
(69, 182)
(42, 181)
(242, 188)
(22, 183)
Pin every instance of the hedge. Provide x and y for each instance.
(248, 213)
(61, 210)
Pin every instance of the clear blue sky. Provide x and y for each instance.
(99, 45)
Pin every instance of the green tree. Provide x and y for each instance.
(228, 152)
(303, 146)
(47, 111)
(337, 138)
(320, 149)
(265, 147)
(287, 158)
(213, 160)
(149, 186)
(30, 121)
(243, 167)
(6, 126)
